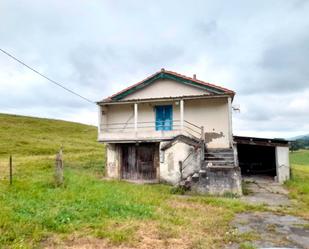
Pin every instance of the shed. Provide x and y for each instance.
(263, 157)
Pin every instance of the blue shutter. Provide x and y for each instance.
(164, 118)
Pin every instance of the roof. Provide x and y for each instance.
(165, 74)
(182, 138)
(261, 141)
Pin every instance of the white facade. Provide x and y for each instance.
(128, 125)
(119, 123)
(166, 88)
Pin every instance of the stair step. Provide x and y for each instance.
(219, 150)
(221, 154)
(219, 158)
(219, 163)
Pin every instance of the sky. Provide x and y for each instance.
(259, 49)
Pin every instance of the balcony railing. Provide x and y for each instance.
(151, 129)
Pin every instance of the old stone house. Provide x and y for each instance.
(172, 128)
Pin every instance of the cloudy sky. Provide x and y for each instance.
(258, 48)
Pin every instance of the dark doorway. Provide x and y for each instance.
(138, 161)
(257, 159)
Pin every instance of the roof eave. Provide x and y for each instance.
(204, 96)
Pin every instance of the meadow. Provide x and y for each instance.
(89, 209)
(299, 184)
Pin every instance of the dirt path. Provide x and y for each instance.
(266, 229)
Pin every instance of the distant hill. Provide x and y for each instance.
(39, 136)
(300, 142)
(301, 137)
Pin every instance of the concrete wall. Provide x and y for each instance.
(213, 114)
(112, 161)
(165, 88)
(218, 181)
(169, 162)
(282, 164)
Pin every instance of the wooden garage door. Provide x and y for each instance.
(138, 161)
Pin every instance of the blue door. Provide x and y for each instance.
(164, 118)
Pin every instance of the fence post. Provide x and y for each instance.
(59, 169)
(11, 170)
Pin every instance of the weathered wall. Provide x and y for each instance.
(169, 162)
(282, 164)
(112, 160)
(166, 88)
(218, 181)
(213, 114)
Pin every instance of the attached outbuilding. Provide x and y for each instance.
(263, 157)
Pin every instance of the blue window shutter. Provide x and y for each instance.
(164, 118)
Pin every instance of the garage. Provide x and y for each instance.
(263, 157)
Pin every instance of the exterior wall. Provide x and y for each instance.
(218, 181)
(166, 88)
(113, 161)
(169, 162)
(282, 164)
(213, 114)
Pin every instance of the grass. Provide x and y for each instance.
(299, 184)
(36, 214)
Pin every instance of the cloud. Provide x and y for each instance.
(257, 48)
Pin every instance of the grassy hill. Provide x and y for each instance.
(27, 136)
(35, 213)
(88, 211)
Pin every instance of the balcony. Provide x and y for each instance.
(148, 131)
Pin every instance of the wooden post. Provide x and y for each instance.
(59, 169)
(11, 170)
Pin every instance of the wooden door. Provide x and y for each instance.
(138, 161)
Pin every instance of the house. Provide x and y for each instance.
(171, 128)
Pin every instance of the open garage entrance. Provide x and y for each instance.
(263, 157)
(257, 160)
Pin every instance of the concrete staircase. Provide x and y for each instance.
(219, 158)
(218, 174)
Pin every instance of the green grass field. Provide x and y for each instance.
(299, 184)
(36, 214)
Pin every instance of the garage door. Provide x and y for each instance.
(138, 161)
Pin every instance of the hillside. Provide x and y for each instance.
(300, 137)
(20, 135)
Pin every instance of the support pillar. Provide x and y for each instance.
(135, 117)
(181, 115)
(229, 102)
